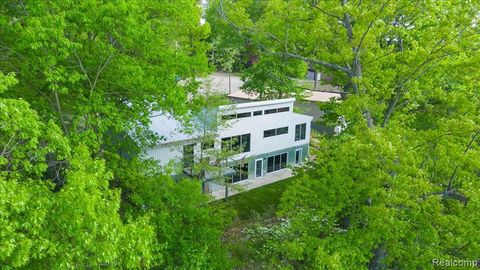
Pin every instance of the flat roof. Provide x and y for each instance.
(172, 130)
(258, 103)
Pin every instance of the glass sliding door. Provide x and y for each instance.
(277, 162)
(241, 172)
(283, 161)
(258, 167)
(270, 164)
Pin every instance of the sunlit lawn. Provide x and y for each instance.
(262, 201)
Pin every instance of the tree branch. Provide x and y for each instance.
(224, 16)
(99, 71)
(454, 174)
(327, 13)
(312, 61)
(59, 109)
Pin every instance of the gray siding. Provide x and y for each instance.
(290, 158)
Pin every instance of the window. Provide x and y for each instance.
(270, 161)
(275, 131)
(282, 130)
(270, 111)
(255, 113)
(229, 116)
(300, 132)
(243, 115)
(235, 116)
(240, 142)
(277, 162)
(207, 144)
(269, 133)
(241, 172)
(283, 161)
(227, 143)
(235, 142)
(277, 110)
(245, 142)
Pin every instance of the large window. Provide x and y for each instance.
(241, 173)
(237, 143)
(300, 131)
(277, 162)
(274, 132)
(208, 144)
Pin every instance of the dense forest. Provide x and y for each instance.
(396, 190)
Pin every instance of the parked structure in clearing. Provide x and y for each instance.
(269, 134)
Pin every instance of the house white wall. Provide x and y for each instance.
(164, 153)
(254, 125)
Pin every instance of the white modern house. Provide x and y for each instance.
(270, 134)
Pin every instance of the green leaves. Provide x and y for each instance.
(103, 66)
(374, 190)
(78, 226)
(271, 79)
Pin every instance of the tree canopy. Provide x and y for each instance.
(79, 79)
(395, 189)
(83, 78)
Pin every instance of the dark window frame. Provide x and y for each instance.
(244, 115)
(275, 132)
(208, 144)
(243, 140)
(241, 172)
(277, 162)
(270, 111)
(300, 132)
(282, 130)
(269, 133)
(229, 116)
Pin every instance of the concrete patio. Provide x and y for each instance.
(218, 191)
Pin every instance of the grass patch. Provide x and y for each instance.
(262, 201)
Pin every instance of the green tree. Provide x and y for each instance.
(76, 227)
(396, 189)
(188, 230)
(381, 52)
(97, 69)
(215, 159)
(271, 79)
